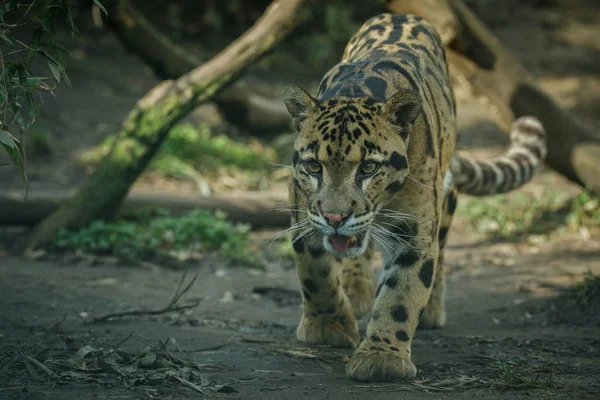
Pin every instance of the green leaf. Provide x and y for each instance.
(7, 39)
(36, 38)
(56, 67)
(55, 70)
(69, 20)
(7, 139)
(48, 56)
(15, 151)
(46, 18)
(30, 106)
(22, 75)
(37, 83)
(101, 7)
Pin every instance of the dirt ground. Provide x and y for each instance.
(500, 340)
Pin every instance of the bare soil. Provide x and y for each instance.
(500, 340)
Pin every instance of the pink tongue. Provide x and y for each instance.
(339, 243)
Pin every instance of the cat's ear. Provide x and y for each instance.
(300, 104)
(402, 109)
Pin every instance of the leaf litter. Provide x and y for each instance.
(146, 364)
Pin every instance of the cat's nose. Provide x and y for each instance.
(335, 219)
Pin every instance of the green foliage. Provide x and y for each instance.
(585, 211)
(152, 235)
(19, 85)
(286, 248)
(336, 29)
(514, 215)
(579, 305)
(320, 44)
(586, 294)
(189, 150)
(207, 151)
(39, 141)
(513, 377)
(14, 148)
(280, 248)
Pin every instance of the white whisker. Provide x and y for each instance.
(283, 209)
(398, 237)
(277, 165)
(420, 183)
(302, 234)
(307, 232)
(386, 247)
(397, 215)
(397, 227)
(297, 226)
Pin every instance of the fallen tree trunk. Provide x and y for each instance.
(477, 56)
(256, 208)
(148, 124)
(239, 103)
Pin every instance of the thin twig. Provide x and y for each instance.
(188, 384)
(211, 348)
(172, 306)
(117, 346)
(86, 323)
(57, 326)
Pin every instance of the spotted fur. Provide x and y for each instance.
(375, 166)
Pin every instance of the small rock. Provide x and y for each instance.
(220, 273)
(227, 298)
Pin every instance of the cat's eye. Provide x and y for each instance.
(368, 168)
(314, 167)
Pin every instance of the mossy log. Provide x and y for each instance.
(477, 56)
(148, 124)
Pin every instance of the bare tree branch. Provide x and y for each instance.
(239, 103)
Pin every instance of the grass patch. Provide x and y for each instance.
(39, 141)
(510, 376)
(578, 305)
(515, 378)
(192, 151)
(156, 234)
(516, 215)
(586, 294)
(280, 249)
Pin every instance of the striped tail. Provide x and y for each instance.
(507, 172)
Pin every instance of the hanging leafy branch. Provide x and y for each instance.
(20, 85)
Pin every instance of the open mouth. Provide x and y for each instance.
(343, 243)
